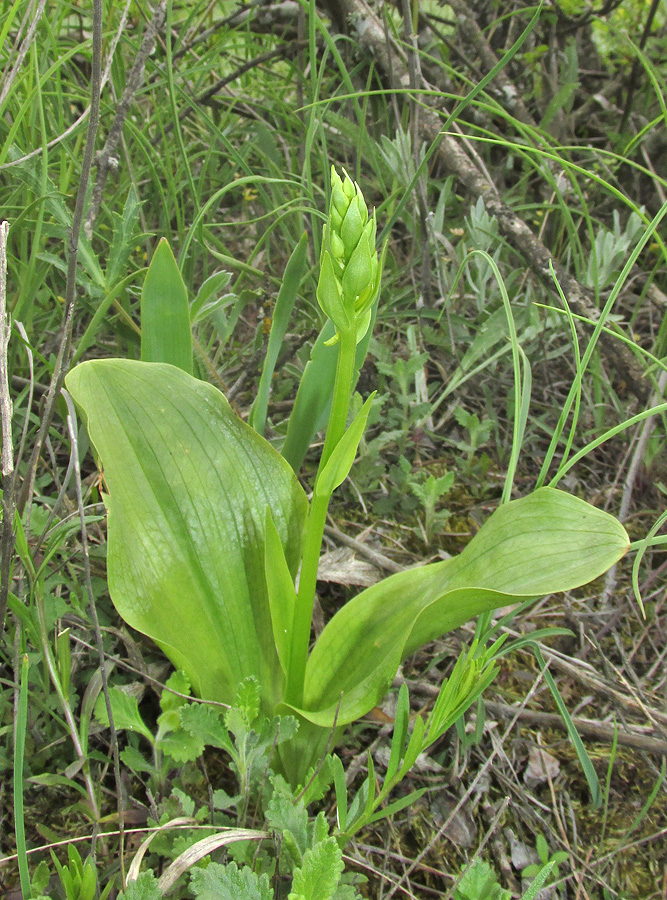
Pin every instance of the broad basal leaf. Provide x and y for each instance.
(189, 485)
(281, 593)
(541, 544)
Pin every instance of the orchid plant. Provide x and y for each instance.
(213, 545)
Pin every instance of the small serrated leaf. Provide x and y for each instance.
(178, 681)
(237, 724)
(320, 872)
(206, 723)
(317, 781)
(135, 761)
(144, 888)
(217, 882)
(125, 712)
(286, 816)
(181, 746)
(247, 697)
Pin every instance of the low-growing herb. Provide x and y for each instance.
(209, 526)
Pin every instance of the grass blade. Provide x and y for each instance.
(584, 759)
(19, 749)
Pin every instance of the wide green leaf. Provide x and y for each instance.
(546, 542)
(281, 593)
(189, 486)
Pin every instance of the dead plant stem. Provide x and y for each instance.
(71, 425)
(61, 363)
(106, 158)
(6, 412)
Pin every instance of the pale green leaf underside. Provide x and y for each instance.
(189, 485)
(546, 542)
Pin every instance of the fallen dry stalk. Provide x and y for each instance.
(6, 412)
(598, 731)
(389, 59)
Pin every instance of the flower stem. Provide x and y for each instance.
(303, 612)
(342, 392)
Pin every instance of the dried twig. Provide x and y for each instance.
(517, 233)
(72, 428)
(33, 16)
(510, 96)
(598, 731)
(378, 559)
(6, 411)
(106, 159)
(60, 367)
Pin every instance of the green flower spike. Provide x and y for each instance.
(350, 270)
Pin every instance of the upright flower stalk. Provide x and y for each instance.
(350, 274)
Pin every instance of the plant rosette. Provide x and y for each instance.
(208, 524)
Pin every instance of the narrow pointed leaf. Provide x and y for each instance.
(541, 544)
(313, 397)
(414, 748)
(189, 485)
(340, 462)
(392, 808)
(341, 793)
(166, 335)
(401, 720)
(281, 316)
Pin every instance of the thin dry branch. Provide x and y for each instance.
(358, 15)
(473, 34)
(106, 159)
(33, 16)
(60, 366)
(6, 412)
(597, 731)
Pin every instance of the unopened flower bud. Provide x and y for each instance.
(349, 266)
